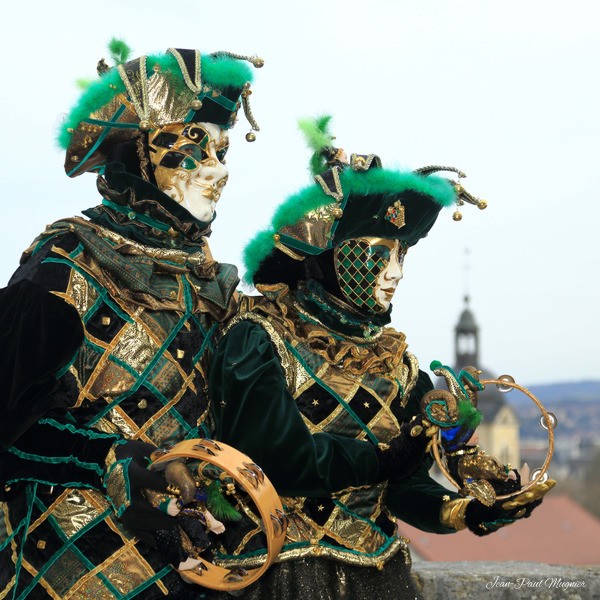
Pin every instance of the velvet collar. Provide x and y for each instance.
(138, 210)
(338, 316)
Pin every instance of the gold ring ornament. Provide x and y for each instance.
(247, 475)
(482, 476)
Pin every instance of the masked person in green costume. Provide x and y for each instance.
(106, 328)
(311, 382)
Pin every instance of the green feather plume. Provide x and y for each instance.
(317, 135)
(83, 84)
(218, 505)
(217, 71)
(261, 245)
(119, 51)
(375, 181)
(468, 415)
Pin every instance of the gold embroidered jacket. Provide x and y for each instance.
(309, 405)
(149, 315)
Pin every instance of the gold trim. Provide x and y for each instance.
(9, 587)
(41, 581)
(288, 251)
(247, 538)
(9, 530)
(166, 408)
(142, 109)
(363, 341)
(452, 513)
(338, 194)
(349, 558)
(362, 162)
(411, 375)
(195, 86)
(276, 338)
(128, 546)
(59, 500)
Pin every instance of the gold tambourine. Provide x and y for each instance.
(250, 477)
(548, 421)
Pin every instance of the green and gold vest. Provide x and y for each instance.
(149, 317)
(342, 385)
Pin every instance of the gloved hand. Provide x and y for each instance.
(126, 475)
(402, 455)
(140, 497)
(483, 520)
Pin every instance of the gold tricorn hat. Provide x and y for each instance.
(180, 86)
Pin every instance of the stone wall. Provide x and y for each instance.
(506, 581)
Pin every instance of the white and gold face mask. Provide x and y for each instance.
(187, 159)
(368, 270)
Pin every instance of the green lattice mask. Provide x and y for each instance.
(368, 271)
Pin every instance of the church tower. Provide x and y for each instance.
(499, 430)
(466, 338)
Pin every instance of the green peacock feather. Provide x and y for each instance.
(218, 504)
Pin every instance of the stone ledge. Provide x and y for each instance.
(506, 581)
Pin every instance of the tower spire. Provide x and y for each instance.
(466, 332)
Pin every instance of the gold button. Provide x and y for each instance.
(41, 545)
(416, 430)
(180, 353)
(173, 294)
(143, 403)
(106, 321)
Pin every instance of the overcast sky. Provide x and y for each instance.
(507, 91)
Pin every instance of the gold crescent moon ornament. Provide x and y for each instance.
(250, 477)
(548, 421)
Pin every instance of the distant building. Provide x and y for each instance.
(559, 532)
(499, 431)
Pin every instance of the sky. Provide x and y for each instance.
(506, 91)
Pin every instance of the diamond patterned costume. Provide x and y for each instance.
(149, 314)
(309, 404)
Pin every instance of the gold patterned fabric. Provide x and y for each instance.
(345, 387)
(354, 356)
(140, 372)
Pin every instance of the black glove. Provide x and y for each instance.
(126, 476)
(402, 455)
(483, 520)
(140, 497)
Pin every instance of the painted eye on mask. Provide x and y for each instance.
(377, 256)
(202, 139)
(189, 156)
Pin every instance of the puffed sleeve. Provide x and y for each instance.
(39, 334)
(255, 413)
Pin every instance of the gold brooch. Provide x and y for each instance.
(395, 214)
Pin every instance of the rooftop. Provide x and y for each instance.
(559, 532)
